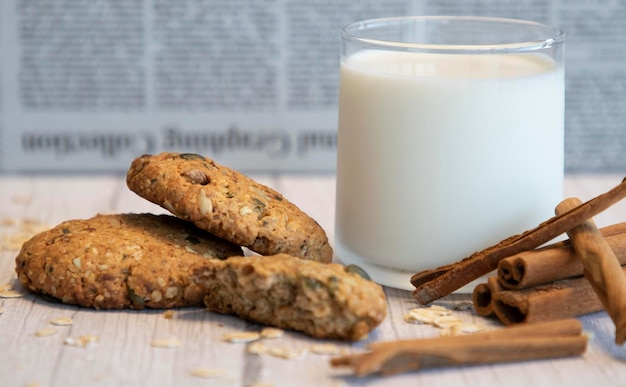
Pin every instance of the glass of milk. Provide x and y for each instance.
(450, 139)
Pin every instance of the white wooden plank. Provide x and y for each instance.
(123, 355)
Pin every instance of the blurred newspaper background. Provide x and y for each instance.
(87, 85)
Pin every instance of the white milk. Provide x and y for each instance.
(439, 157)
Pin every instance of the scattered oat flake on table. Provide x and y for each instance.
(32, 229)
(426, 315)
(242, 337)
(46, 332)
(256, 348)
(446, 321)
(14, 241)
(82, 341)
(271, 333)
(165, 343)
(62, 321)
(11, 294)
(462, 329)
(285, 353)
(5, 287)
(168, 314)
(261, 384)
(325, 349)
(204, 372)
(8, 222)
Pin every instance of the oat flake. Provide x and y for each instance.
(7, 222)
(165, 343)
(82, 341)
(46, 332)
(62, 321)
(285, 353)
(447, 321)
(261, 384)
(5, 287)
(242, 337)
(462, 329)
(256, 348)
(203, 372)
(272, 333)
(426, 315)
(325, 349)
(11, 294)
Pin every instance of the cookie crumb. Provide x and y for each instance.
(168, 314)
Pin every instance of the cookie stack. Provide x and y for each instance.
(195, 257)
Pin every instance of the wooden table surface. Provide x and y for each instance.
(124, 356)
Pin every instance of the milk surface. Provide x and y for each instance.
(443, 155)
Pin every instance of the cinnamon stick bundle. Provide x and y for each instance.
(560, 299)
(433, 284)
(522, 342)
(554, 262)
(602, 268)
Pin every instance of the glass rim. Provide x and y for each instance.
(554, 35)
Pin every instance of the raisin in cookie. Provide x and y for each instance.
(321, 300)
(120, 261)
(228, 204)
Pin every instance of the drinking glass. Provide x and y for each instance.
(450, 139)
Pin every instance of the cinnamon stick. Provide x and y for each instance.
(602, 268)
(554, 262)
(482, 296)
(560, 299)
(522, 342)
(433, 284)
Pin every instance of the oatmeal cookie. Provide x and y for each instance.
(320, 300)
(119, 261)
(228, 204)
